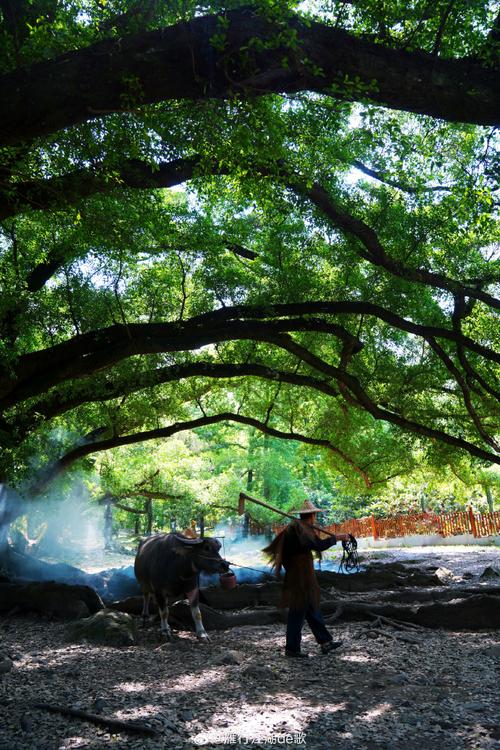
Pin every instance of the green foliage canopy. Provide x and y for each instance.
(325, 270)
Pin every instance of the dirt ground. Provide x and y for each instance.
(431, 690)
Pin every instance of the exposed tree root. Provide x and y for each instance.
(115, 725)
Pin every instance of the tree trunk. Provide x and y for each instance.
(148, 507)
(489, 498)
(108, 525)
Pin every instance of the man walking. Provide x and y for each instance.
(292, 549)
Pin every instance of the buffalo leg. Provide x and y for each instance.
(201, 633)
(163, 607)
(145, 607)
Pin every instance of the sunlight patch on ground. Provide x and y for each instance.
(193, 681)
(138, 713)
(375, 712)
(357, 658)
(133, 687)
(252, 724)
(70, 743)
(189, 682)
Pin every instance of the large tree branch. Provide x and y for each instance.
(164, 432)
(363, 400)
(71, 187)
(89, 353)
(183, 62)
(403, 186)
(84, 355)
(111, 388)
(137, 174)
(374, 252)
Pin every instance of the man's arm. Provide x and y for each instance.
(320, 545)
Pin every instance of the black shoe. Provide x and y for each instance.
(330, 646)
(296, 654)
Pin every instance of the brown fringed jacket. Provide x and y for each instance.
(292, 549)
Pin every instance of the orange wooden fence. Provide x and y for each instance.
(447, 524)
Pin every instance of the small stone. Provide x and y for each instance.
(398, 679)
(444, 574)
(376, 685)
(5, 664)
(99, 704)
(492, 651)
(228, 657)
(186, 715)
(26, 723)
(475, 706)
(467, 575)
(491, 572)
(260, 671)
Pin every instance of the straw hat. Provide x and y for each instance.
(307, 508)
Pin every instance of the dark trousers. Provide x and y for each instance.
(295, 622)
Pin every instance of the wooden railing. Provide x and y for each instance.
(447, 524)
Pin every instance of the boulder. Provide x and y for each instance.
(105, 628)
(228, 657)
(48, 597)
(121, 585)
(5, 664)
(491, 572)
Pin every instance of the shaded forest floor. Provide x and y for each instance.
(425, 690)
(437, 691)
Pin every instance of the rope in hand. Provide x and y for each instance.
(350, 559)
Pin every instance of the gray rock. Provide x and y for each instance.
(444, 574)
(491, 572)
(259, 672)
(99, 704)
(105, 628)
(5, 664)
(475, 706)
(398, 679)
(228, 657)
(26, 723)
(493, 651)
(186, 715)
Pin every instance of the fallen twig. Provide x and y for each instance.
(106, 721)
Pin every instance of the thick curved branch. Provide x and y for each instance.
(137, 174)
(69, 188)
(374, 252)
(403, 186)
(89, 353)
(164, 432)
(84, 355)
(364, 401)
(58, 404)
(453, 369)
(182, 62)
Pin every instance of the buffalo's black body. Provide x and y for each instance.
(168, 566)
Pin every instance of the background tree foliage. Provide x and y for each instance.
(321, 277)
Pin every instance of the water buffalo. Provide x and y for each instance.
(168, 566)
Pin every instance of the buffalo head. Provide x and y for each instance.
(205, 555)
